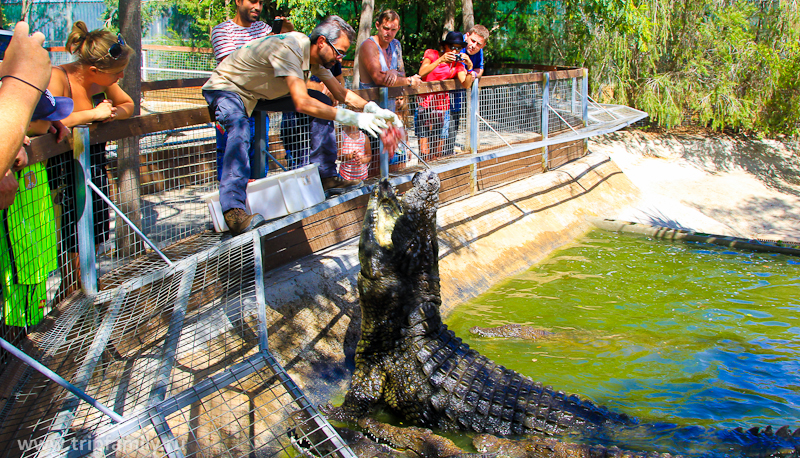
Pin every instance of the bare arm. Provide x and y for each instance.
(370, 64)
(465, 78)
(304, 103)
(341, 93)
(27, 60)
(123, 103)
(118, 104)
(367, 157)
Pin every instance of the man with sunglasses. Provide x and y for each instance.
(271, 72)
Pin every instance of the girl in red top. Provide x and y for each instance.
(432, 107)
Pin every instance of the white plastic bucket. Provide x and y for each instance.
(310, 185)
(291, 191)
(212, 200)
(264, 196)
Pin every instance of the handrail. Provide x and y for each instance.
(45, 147)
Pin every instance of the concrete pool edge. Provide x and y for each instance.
(777, 246)
(312, 305)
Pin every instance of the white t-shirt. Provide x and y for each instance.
(255, 70)
(229, 36)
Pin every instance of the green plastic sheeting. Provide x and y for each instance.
(28, 249)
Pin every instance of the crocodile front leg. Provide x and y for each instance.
(365, 391)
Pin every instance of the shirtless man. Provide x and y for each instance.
(380, 64)
(380, 57)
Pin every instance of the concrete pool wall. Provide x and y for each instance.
(312, 305)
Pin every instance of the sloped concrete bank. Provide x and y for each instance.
(312, 306)
(713, 183)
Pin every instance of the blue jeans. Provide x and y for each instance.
(323, 144)
(222, 142)
(230, 113)
(307, 139)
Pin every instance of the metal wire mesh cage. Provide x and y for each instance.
(181, 356)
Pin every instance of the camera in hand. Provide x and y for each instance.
(5, 39)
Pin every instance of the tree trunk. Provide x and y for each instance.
(128, 179)
(25, 8)
(228, 12)
(449, 17)
(364, 28)
(467, 14)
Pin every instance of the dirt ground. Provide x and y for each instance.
(710, 183)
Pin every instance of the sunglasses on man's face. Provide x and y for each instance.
(339, 54)
(115, 51)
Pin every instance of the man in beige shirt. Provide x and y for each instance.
(273, 71)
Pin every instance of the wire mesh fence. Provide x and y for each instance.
(181, 355)
(179, 167)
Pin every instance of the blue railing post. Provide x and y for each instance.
(585, 97)
(259, 165)
(383, 102)
(86, 249)
(545, 115)
(473, 105)
(585, 104)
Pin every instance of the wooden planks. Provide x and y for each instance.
(562, 153)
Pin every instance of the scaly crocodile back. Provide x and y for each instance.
(471, 392)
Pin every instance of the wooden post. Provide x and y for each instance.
(128, 177)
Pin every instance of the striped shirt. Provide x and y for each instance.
(228, 36)
(353, 169)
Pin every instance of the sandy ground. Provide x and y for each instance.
(710, 183)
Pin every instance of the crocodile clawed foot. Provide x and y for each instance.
(337, 414)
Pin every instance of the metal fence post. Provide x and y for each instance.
(86, 248)
(383, 102)
(572, 94)
(473, 108)
(473, 105)
(545, 115)
(585, 97)
(144, 65)
(585, 105)
(259, 165)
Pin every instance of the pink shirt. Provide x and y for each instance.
(353, 169)
(443, 71)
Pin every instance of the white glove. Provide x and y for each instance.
(388, 115)
(368, 122)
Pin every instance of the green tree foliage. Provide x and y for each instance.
(726, 64)
(721, 63)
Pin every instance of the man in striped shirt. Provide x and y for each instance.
(232, 34)
(226, 38)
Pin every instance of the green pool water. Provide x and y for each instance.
(684, 333)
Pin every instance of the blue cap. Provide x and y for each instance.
(52, 108)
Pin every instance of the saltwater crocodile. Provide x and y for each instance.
(511, 330)
(409, 361)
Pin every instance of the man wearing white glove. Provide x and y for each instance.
(272, 73)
